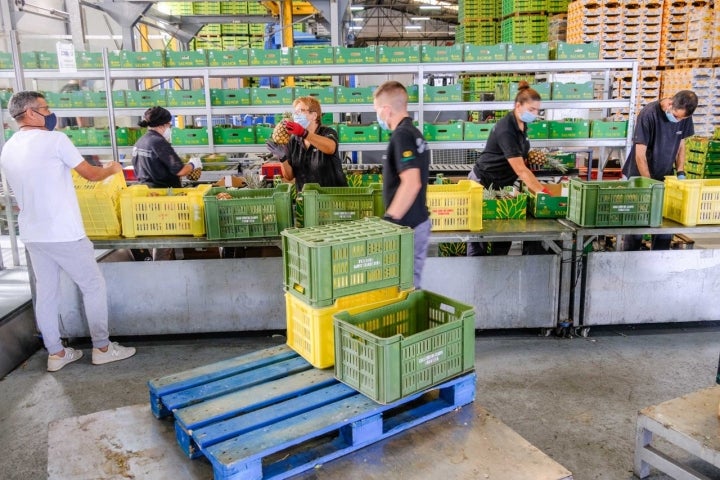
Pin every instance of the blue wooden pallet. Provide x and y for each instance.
(271, 415)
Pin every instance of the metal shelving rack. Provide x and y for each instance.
(420, 107)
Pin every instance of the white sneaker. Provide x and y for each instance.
(114, 353)
(55, 362)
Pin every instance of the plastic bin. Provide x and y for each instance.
(391, 352)
(456, 207)
(692, 202)
(324, 263)
(149, 211)
(100, 204)
(325, 205)
(636, 202)
(251, 213)
(310, 330)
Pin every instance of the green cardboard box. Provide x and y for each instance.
(444, 132)
(186, 98)
(477, 131)
(47, 60)
(229, 97)
(505, 208)
(324, 95)
(190, 136)
(234, 136)
(399, 54)
(6, 61)
(485, 53)
(145, 98)
(527, 51)
(88, 60)
(153, 59)
(271, 96)
(262, 56)
(229, 58)
(355, 56)
(445, 93)
(569, 129)
(313, 56)
(608, 129)
(538, 130)
(444, 54)
(542, 205)
(359, 133)
(575, 51)
(354, 94)
(190, 58)
(572, 91)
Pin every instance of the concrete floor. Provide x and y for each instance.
(575, 399)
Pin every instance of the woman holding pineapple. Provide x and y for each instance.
(502, 161)
(307, 150)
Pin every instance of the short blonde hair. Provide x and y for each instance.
(394, 93)
(312, 104)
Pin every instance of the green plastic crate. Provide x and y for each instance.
(359, 133)
(355, 56)
(398, 54)
(153, 59)
(538, 130)
(354, 94)
(527, 29)
(405, 347)
(263, 133)
(445, 93)
(186, 98)
(325, 205)
(569, 129)
(636, 202)
(190, 136)
(261, 56)
(229, 58)
(230, 97)
(313, 56)
(572, 91)
(444, 54)
(88, 60)
(251, 213)
(575, 51)
(522, 6)
(324, 95)
(519, 52)
(190, 58)
(608, 129)
(485, 53)
(234, 136)
(445, 132)
(326, 262)
(145, 98)
(6, 61)
(477, 131)
(271, 96)
(505, 208)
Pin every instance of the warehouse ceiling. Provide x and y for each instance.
(373, 22)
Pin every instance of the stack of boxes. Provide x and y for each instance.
(703, 81)
(478, 22)
(702, 157)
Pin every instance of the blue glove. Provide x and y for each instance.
(680, 175)
(278, 151)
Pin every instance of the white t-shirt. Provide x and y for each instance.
(37, 165)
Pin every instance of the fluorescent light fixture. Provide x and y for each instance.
(356, 27)
(413, 27)
(419, 19)
(358, 19)
(356, 8)
(430, 7)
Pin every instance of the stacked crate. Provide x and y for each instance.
(702, 157)
(703, 81)
(478, 22)
(674, 30)
(557, 28)
(524, 21)
(698, 41)
(354, 266)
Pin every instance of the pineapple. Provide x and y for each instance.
(194, 175)
(280, 134)
(537, 159)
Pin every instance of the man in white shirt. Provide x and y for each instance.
(37, 163)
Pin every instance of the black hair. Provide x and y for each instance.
(154, 117)
(685, 100)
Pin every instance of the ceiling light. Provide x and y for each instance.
(419, 19)
(358, 19)
(356, 27)
(413, 27)
(430, 7)
(356, 8)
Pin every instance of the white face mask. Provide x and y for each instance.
(168, 134)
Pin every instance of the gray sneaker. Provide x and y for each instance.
(55, 363)
(114, 353)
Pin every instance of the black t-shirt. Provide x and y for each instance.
(506, 141)
(407, 149)
(310, 165)
(662, 138)
(156, 162)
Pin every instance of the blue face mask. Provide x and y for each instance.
(671, 117)
(50, 121)
(382, 123)
(528, 117)
(301, 119)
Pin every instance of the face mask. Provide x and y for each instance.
(671, 117)
(168, 134)
(301, 119)
(527, 117)
(382, 123)
(50, 121)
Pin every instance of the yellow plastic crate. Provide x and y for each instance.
(456, 207)
(310, 329)
(99, 204)
(149, 211)
(692, 202)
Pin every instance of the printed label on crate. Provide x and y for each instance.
(366, 263)
(434, 357)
